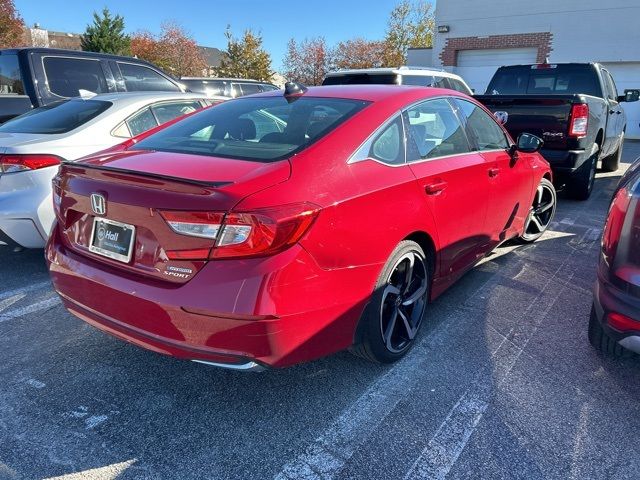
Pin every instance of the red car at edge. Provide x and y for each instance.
(278, 228)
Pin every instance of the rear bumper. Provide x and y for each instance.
(26, 210)
(275, 311)
(565, 161)
(609, 299)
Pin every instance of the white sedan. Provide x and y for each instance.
(33, 145)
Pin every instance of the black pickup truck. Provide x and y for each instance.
(574, 107)
(32, 77)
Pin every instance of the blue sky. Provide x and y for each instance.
(206, 20)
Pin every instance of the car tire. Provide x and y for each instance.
(541, 212)
(602, 342)
(582, 181)
(392, 319)
(612, 162)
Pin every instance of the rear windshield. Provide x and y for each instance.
(363, 79)
(261, 129)
(58, 117)
(549, 80)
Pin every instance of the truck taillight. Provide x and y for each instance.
(579, 120)
(242, 234)
(18, 163)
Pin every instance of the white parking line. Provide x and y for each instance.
(27, 309)
(30, 288)
(450, 439)
(325, 457)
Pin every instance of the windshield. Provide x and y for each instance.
(363, 79)
(545, 80)
(261, 129)
(58, 117)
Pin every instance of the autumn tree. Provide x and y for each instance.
(245, 57)
(410, 25)
(106, 35)
(308, 61)
(173, 50)
(11, 25)
(358, 53)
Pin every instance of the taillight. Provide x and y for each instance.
(195, 224)
(18, 163)
(242, 234)
(615, 222)
(579, 121)
(622, 323)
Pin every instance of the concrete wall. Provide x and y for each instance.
(583, 30)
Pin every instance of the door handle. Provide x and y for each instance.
(493, 172)
(435, 187)
(619, 112)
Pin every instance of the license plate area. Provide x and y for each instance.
(112, 239)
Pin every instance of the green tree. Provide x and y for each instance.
(11, 25)
(245, 57)
(410, 25)
(106, 35)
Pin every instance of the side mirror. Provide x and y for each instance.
(630, 95)
(528, 143)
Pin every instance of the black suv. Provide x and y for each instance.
(33, 77)
(226, 87)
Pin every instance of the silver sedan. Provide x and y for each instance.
(33, 145)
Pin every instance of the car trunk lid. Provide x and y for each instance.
(137, 186)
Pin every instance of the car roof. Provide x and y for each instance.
(226, 79)
(78, 53)
(371, 92)
(396, 71)
(124, 99)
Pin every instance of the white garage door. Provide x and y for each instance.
(478, 66)
(627, 75)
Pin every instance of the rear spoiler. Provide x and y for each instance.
(138, 173)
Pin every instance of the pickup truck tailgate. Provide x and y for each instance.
(544, 116)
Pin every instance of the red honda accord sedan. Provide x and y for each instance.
(279, 228)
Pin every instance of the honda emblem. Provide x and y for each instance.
(98, 204)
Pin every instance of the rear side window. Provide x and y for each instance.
(458, 86)
(168, 111)
(485, 133)
(10, 77)
(232, 129)
(66, 76)
(58, 117)
(388, 145)
(612, 91)
(250, 88)
(208, 87)
(141, 122)
(138, 78)
(434, 130)
(420, 80)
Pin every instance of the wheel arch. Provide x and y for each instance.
(427, 244)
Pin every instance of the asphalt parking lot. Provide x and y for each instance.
(503, 384)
